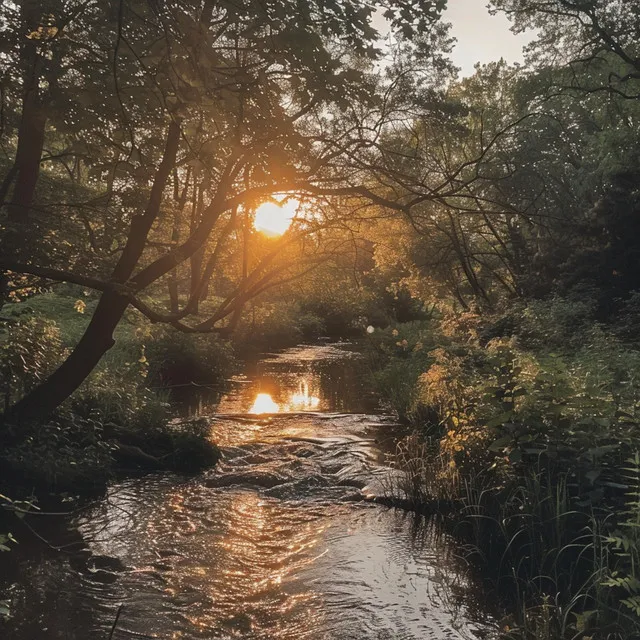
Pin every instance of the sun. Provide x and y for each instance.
(273, 218)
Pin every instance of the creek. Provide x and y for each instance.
(275, 543)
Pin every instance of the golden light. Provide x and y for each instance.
(264, 404)
(302, 400)
(273, 218)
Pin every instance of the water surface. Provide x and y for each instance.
(274, 544)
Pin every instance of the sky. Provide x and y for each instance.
(481, 36)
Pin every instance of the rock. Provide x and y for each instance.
(104, 577)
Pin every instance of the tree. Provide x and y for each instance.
(234, 103)
(597, 40)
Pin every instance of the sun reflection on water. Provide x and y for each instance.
(300, 400)
(264, 404)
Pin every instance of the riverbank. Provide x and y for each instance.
(121, 419)
(528, 424)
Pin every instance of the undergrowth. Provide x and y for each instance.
(528, 423)
(121, 415)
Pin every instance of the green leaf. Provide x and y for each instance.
(499, 419)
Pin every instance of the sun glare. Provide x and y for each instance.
(274, 219)
(264, 404)
(302, 400)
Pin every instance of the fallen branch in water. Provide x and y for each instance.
(115, 622)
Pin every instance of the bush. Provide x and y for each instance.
(626, 326)
(270, 326)
(179, 446)
(69, 308)
(311, 326)
(76, 448)
(30, 348)
(66, 453)
(532, 434)
(175, 357)
(398, 356)
(543, 325)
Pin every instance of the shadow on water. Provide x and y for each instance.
(274, 544)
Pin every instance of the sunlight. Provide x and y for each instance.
(274, 218)
(264, 404)
(302, 400)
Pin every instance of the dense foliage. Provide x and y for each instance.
(523, 385)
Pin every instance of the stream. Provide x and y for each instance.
(276, 543)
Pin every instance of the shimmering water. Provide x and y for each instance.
(274, 544)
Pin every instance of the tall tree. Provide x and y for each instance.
(596, 40)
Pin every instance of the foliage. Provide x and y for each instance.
(397, 356)
(68, 453)
(624, 577)
(180, 446)
(272, 325)
(487, 228)
(30, 347)
(175, 358)
(74, 450)
(137, 169)
(60, 306)
(529, 433)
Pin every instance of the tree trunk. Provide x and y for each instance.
(32, 123)
(7, 182)
(28, 156)
(98, 337)
(96, 341)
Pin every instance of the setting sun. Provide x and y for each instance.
(275, 218)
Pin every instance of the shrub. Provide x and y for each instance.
(66, 453)
(30, 348)
(175, 357)
(534, 431)
(180, 446)
(269, 326)
(398, 356)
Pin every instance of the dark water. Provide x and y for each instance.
(274, 544)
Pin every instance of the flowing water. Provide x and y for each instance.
(276, 543)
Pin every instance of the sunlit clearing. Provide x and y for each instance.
(273, 218)
(302, 400)
(264, 404)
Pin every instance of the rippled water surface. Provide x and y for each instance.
(276, 543)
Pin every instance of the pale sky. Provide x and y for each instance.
(481, 36)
